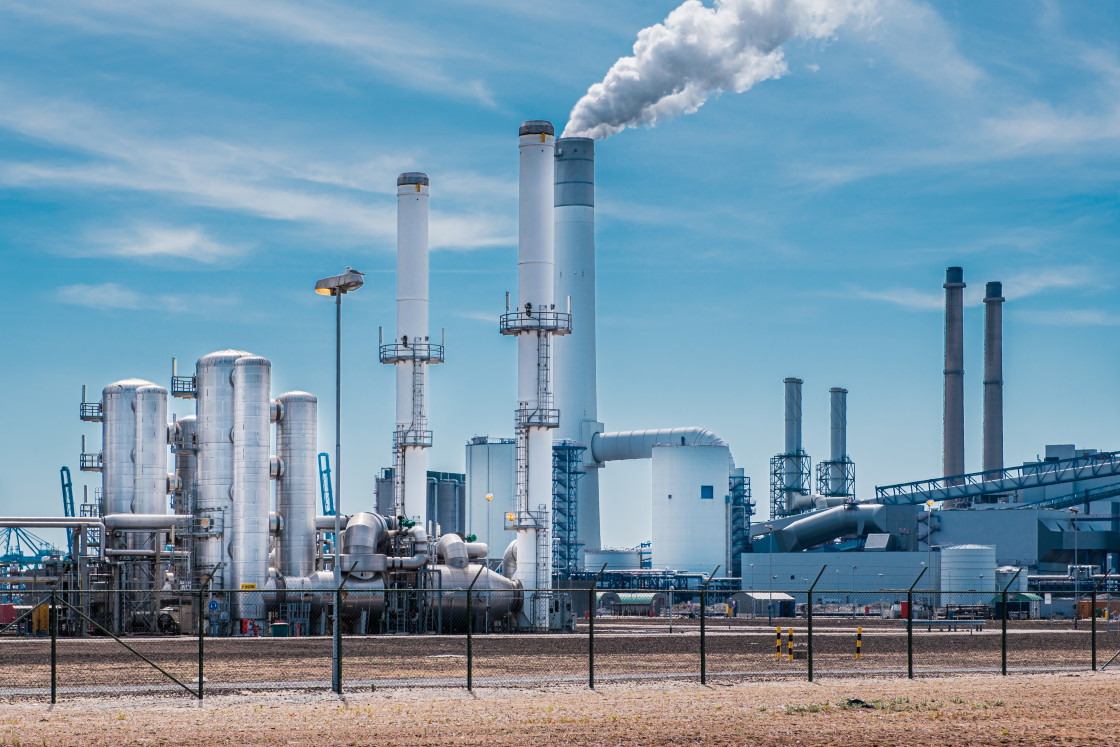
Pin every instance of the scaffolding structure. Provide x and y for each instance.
(566, 471)
(837, 478)
(790, 476)
(741, 509)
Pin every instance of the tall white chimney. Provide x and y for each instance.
(993, 376)
(953, 463)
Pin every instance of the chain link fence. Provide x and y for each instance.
(195, 643)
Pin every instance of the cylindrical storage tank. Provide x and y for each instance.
(496, 598)
(251, 474)
(214, 482)
(690, 489)
(186, 463)
(297, 488)
(447, 506)
(967, 568)
(151, 450)
(491, 471)
(616, 560)
(118, 445)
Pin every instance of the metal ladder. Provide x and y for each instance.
(544, 371)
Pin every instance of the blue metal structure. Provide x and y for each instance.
(566, 472)
(1000, 481)
(325, 483)
(67, 502)
(24, 549)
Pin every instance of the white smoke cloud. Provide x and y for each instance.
(698, 51)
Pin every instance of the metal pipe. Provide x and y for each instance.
(136, 522)
(621, 445)
(420, 548)
(330, 523)
(953, 454)
(993, 376)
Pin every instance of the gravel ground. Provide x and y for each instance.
(1072, 709)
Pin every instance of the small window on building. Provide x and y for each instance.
(706, 492)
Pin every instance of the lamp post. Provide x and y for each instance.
(338, 286)
(489, 499)
(770, 555)
(1076, 571)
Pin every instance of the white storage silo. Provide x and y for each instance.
(690, 490)
(967, 568)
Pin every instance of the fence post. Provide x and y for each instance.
(201, 631)
(809, 621)
(1093, 615)
(910, 625)
(591, 628)
(336, 652)
(1003, 625)
(703, 636)
(470, 629)
(52, 623)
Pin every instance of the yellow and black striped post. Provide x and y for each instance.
(789, 644)
(859, 641)
(779, 643)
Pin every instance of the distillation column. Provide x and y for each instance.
(411, 351)
(993, 377)
(534, 322)
(954, 373)
(575, 354)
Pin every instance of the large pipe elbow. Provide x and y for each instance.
(620, 445)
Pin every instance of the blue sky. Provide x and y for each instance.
(174, 177)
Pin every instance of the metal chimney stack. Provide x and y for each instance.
(993, 376)
(839, 441)
(953, 463)
(574, 359)
(793, 476)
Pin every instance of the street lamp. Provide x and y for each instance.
(338, 286)
(770, 555)
(1076, 574)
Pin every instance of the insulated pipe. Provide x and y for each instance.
(993, 376)
(953, 455)
(509, 560)
(412, 334)
(839, 440)
(452, 550)
(828, 525)
(621, 445)
(416, 561)
(145, 521)
(575, 366)
(326, 523)
(298, 487)
(251, 475)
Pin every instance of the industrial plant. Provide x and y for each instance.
(240, 495)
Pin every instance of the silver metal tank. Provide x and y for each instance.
(297, 488)
(184, 446)
(150, 456)
(495, 597)
(248, 552)
(214, 486)
(118, 442)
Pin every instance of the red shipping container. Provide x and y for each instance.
(7, 614)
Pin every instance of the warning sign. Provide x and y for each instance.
(248, 587)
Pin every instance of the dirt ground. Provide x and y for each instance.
(1055, 709)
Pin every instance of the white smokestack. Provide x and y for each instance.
(699, 51)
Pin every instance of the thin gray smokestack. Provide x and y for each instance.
(993, 376)
(794, 476)
(954, 372)
(839, 440)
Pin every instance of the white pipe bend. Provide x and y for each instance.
(619, 445)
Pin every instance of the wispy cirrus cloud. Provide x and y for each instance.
(1018, 286)
(402, 53)
(349, 198)
(1072, 318)
(113, 296)
(147, 241)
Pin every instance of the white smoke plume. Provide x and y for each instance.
(698, 51)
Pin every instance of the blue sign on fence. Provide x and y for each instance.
(213, 605)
